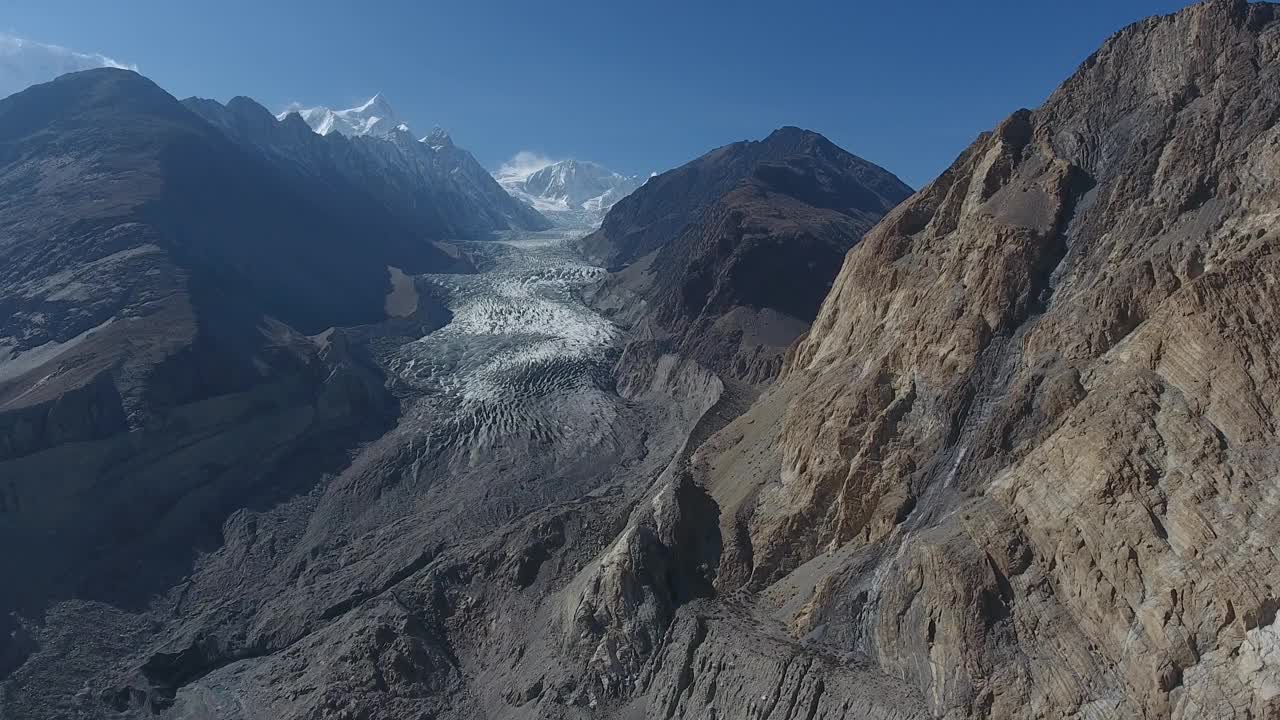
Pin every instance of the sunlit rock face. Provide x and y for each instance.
(1025, 459)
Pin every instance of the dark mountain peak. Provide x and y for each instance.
(240, 111)
(657, 212)
(791, 130)
(104, 98)
(814, 182)
(294, 122)
(791, 140)
(794, 136)
(733, 252)
(438, 137)
(102, 80)
(245, 120)
(248, 107)
(105, 88)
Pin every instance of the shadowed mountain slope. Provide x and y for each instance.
(157, 288)
(431, 185)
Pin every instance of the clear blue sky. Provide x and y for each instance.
(638, 85)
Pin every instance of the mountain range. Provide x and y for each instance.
(573, 193)
(822, 447)
(437, 184)
(1023, 461)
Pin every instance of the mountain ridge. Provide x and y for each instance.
(437, 185)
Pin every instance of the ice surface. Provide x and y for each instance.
(522, 356)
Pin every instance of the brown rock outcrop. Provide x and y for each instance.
(1025, 460)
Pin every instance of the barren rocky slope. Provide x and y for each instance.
(1025, 461)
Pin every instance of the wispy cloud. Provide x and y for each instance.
(524, 164)
(24, 63)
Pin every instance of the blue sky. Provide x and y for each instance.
(637, 85)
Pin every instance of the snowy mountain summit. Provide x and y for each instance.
(570, 192)
(375, 118)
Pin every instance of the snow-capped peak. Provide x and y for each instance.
(574, 192)
(375, 117)
(376, 105)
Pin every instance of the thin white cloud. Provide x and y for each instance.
(524, 164)
(24, 63)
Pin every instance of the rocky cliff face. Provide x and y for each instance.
(1025, 460)
(741, 281)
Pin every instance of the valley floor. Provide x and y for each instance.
(513, 449)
